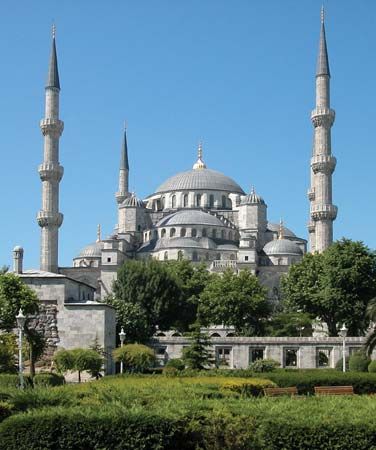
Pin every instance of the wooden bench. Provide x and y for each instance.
(277, 392)
(334, 390)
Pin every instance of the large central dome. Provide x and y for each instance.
(205, 179)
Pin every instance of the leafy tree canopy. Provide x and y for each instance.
(135, 357)
(197, 355)
(335, 286)
(235, 299)
(290, 323)
(79, 359)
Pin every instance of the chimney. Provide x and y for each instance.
(18, 259)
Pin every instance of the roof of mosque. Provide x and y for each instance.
(190, 217)
(282, 247)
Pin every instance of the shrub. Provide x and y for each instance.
(358, 362)
(264, 365)
(247, 388)
(8, 348)
(8, 380)
(372, 366)
(48, 379)
(176, 363)
(135, 357)
(79, 359)
(5, 410)
(339, 364)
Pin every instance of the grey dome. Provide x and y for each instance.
(282, 247)
(252, 198)
(205, 179)
(190, 217)
(275, 227)
(91, 251)
(132, 202)
(181, 242)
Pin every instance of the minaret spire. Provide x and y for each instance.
(50, 171)
(322, 210)
(123, 191)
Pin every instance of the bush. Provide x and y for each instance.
(8, 380)
(5, 410)
(358, 362)
(176, 363)
(79, 359)
(264, 365)
(339, 364)
(8, 348)
(48, 379)
(135, 357)
(247, 388)
(372, 366)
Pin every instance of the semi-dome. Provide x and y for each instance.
(282, 247)
(182, 242)
(275, 227)
(93, 250)
(132, 202)
(190, 217)
(202, 179)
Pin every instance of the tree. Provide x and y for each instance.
(290, 323)
(36, 344)
(14, 294)
(135, 357)
(80, 360)
(149, 293)
(370, 343)
(8, 349)
(197, 355)
(335, 286)
(235, 299)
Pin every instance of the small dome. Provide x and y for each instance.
(282, 247)
(190, 217)
(132, 202)
(252, 198)
(275, 228)
(91, 251)
(18, 248)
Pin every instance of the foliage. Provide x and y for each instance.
(36, 344)
(358, 362)
(5, 410)
(339, 364)
(8, 349)
(264, 365)
(14, 294)
(235, 299)
(48, 379)
(79, 359)
(197, 355)
(145, 295)
(13, 380)
(253, 387)
(335, 286)
(177, 363)
(370, 343)
(135, 357)
(289, 323)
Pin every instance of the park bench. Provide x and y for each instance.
(334, 390)
(277, 392)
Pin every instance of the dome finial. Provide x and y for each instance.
(280, 232)
(199, 164)
(253, 192)
(53, 31)
(99, 238)
(322, 14)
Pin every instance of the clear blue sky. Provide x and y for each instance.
(237, 74)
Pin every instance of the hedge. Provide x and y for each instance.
(48, 379)
(8, 380)
(5, 410)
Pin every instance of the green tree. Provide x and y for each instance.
(14, 294)
(80, 360)
(149, 293)
(191, 280)
(370, 343)
(8, 349)
(36, 345)
(289, 323)
(235, 299)
(197, 355)
(135, 357)
(335, 286)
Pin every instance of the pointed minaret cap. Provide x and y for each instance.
(322, 59)
(280, 232)
(199, 164)
(99, 237)
(124, 164)
(53, 72)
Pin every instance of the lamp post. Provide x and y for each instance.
(21, 320)
(122, 339)
(343, 334)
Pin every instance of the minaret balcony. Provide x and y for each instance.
(322, 211)
(323, 164)
(52, 126)
(51, 171)
(311, 194)
(48, 218)
(323, 117)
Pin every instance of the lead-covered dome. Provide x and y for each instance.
(93, 250)
(200, 179)
(190, 217)
(275, 227)
(282, 247)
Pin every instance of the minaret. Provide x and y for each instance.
(322, 210)
(51, 172)
(123, 192)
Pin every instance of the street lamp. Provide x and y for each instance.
(343, 334)
(122, 339)
(21, 320)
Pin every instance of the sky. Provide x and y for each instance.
(238, 75)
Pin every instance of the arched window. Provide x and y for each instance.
(204, 232)
(163, 233)
(173, 201)
(230, 235)
(211, 200)
(280, 261)
(194, 256)
(183, 232)
(180, 255)
(224, 201)
(207, 256)
(232, 257)
(229, 203)
(198, 200)
(172, 232)
(215, 335)
(163, 201)
(214, 233)
(222, 234)
(165, 256)
(138, 227)
(194, 232)
(218, 256)
(185, 200)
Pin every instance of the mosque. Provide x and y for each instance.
(199, 214)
